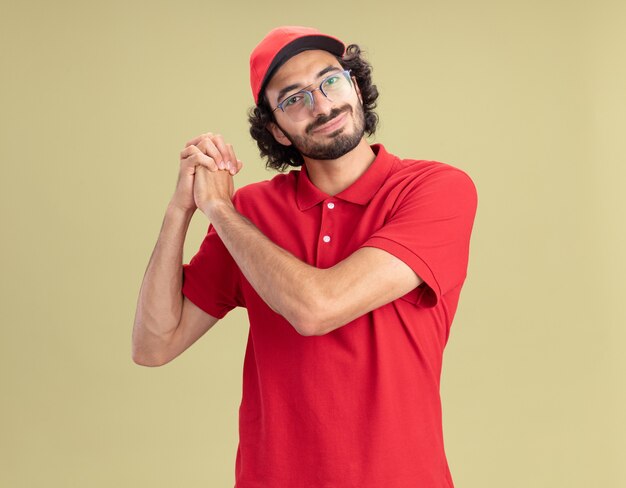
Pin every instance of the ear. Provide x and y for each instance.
(278, 134)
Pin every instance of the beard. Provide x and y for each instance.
(340, 143)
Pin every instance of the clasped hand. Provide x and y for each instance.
(207, 166)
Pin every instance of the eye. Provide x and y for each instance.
(293, 99)
(334, 82)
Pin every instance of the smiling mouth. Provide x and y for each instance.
(332, 124)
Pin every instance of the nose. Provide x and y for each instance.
(321, 103)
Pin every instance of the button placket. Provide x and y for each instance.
(325, 251)
(327, 222)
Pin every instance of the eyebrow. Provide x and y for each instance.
(289, 88)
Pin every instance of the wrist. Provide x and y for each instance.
(176, 211)
(213, 209)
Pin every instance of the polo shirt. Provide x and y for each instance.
(359, 406)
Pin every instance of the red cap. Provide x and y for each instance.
(281, 44)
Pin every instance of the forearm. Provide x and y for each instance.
(159, 305)
(284, 282)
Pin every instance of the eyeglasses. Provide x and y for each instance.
(334, 87)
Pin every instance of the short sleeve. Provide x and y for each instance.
(212, 280)
(429, 229)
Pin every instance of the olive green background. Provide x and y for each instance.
(99, 98)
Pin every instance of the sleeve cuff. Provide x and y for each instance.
(428, 293)
(192, 294)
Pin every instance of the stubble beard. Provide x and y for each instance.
(339, 143)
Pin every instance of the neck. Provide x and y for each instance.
(332, 176)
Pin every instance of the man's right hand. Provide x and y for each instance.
(213, 155)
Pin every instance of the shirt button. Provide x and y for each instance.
(326, 238)
(330, 205)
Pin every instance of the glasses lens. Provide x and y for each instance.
(336, 86)
(297, 105)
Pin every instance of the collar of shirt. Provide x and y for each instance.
(360, 192)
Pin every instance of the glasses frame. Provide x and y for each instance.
(345, 72)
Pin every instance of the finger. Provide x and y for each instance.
(199, 158)
(232, 158)
(221, 146)
(188, 162)
(207, 147)
(196, 140)
(188, 151)
(239, 165)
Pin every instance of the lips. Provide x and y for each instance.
(332, 124)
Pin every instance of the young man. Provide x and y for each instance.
(350, 270)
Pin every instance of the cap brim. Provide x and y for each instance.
(307, 43)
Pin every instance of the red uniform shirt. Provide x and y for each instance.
(358, 407)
